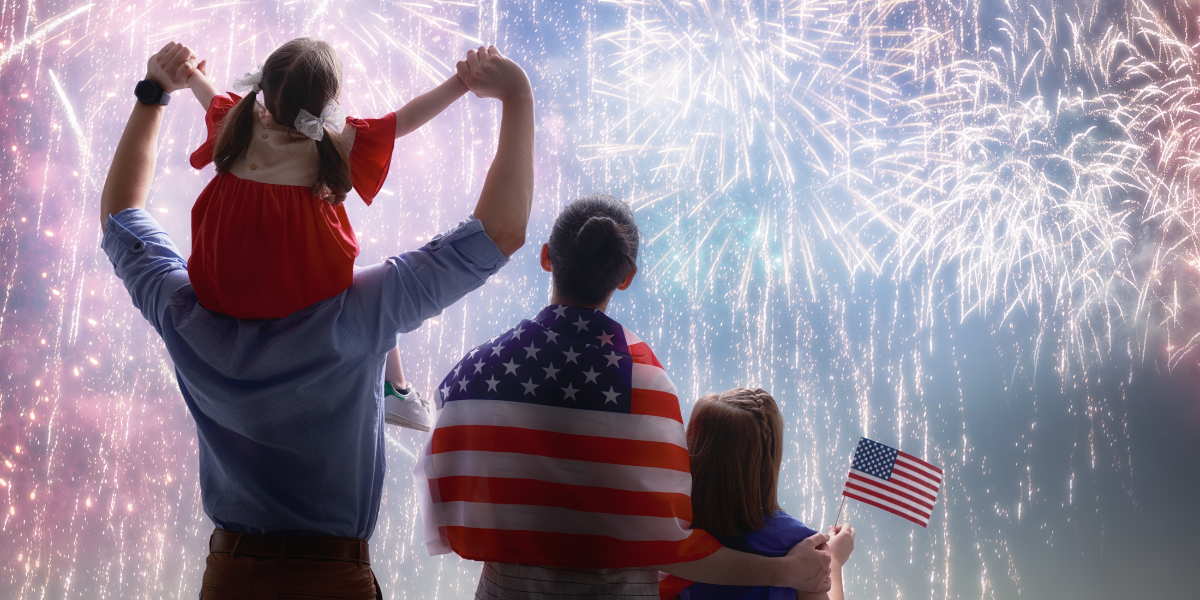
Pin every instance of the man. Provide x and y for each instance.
(288, 411)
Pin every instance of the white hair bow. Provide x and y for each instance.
(251, 82)
(314, 127)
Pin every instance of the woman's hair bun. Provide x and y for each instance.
(593, 248)
(596, 235)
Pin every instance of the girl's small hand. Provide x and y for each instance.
(841, 543)
(491, 75)
(171, 66)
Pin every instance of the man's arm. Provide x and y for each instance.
(132, 170)
(806, 567)
(507, 195)
(421, 109)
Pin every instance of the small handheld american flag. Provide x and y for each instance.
(892, 480)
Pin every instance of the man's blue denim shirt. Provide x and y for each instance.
(289, 411)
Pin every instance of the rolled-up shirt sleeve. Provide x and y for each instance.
(146, 261)
(406, 290)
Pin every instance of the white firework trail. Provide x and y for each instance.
(41, 33)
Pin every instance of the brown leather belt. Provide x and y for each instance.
(324, 548)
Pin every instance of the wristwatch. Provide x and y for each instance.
(149, 92)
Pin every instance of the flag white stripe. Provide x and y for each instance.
(520, 517)
(915, 475)
(919, 469)
(919, 516)
(890, 494)
(631, 338)
(913, 460)
(650, 377)
(471, 463)
(920, 484)
(499, 413)
(924, 493)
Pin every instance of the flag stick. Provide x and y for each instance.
(839, 515)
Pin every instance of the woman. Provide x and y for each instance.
(559, 455)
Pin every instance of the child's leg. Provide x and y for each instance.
(393, 372)
(402, 404)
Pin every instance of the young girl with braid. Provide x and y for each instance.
(735, 442)
(269, 233)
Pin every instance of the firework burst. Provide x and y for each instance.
(786, 101)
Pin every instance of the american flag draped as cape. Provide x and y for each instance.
(559, 443)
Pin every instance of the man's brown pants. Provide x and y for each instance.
(239, 576)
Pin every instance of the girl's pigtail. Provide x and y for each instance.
(333, 178)
(235, 133)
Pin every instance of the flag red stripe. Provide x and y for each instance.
(871, 486)
(868, 484)
(571, 551)
(671, 585)
(883, 507)
(656, 404)
(919, 461)
(915, 476)
(900, 484)
(517, 440)
(642, 354)
(532, 492)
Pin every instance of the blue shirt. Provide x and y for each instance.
(776, 538)
(289, 411)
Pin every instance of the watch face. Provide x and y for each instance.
(147, 91)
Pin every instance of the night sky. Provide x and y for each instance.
(962, 228)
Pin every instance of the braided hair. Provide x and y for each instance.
(735, 443)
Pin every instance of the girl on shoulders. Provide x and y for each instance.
(270, 235)
(735, 443)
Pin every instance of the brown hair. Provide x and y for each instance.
(735, 440)
(593, 247)
(301, 74)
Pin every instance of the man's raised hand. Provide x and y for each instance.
(492, 75)
(171, 66)
(809, 569)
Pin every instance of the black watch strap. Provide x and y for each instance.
(149, 92)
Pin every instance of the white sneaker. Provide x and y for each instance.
(406, 410)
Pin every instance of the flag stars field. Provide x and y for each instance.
(611, 395)
(581, 324)
(591, 375)
(569, 392)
